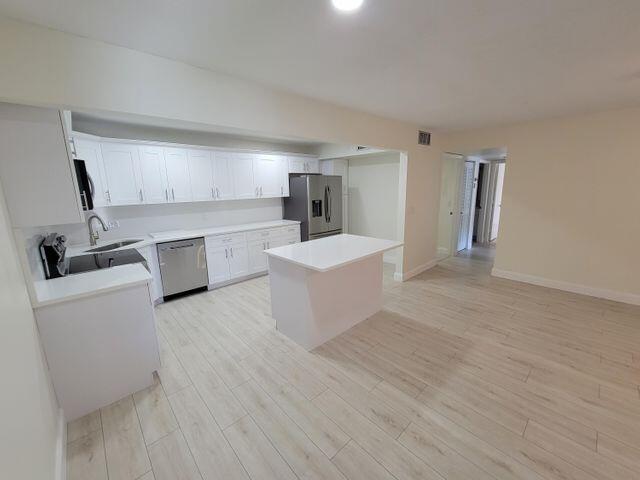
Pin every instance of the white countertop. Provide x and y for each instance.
(86, 284)
(333, 252)
(173, 235)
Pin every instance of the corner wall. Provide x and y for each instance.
(50, 68)
(570, 201)
(29, 436)
(373, 196)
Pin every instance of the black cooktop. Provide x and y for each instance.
(98, 261)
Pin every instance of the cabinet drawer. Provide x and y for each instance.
(263, 234)
(222, 240)
(290, 231)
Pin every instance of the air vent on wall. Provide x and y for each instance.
(424, 138)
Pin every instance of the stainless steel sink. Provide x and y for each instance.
(113, 246)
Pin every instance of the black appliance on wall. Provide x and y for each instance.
(85, 184)
(53, 253)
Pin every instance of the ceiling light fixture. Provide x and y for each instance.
(347, 5)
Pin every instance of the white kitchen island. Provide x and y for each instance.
(323, 287)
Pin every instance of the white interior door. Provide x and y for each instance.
(201, 174)
(122, 173)
(154, 175)
(223, 176)
(178, 174)
(497, 202)
(242, 173)
(466, 193)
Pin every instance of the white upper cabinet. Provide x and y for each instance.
(89, 151)
(313, 165)
(154, 175)
(284, 177)
(267, 173)
(125, 173)
(178, 178)
(242, 173)
(223, 176)
(303, 165)
(201, 172)
(122, 173)
(297, 165)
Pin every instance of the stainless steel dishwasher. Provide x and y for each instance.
(183, 266)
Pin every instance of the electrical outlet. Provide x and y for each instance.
(112, 224)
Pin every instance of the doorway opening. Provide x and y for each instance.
(471, 203)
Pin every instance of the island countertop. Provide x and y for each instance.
(333, 252)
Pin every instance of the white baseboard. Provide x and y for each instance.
(402, 277)
(443, 251)
(616, 296)
(61, 448)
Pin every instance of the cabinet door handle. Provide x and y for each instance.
(141, 197)
(217, 192)
(226, 253)
(173, 194)
(260, 191)
(231, 249)
(213, 193)
(108, 194)
(166, 194)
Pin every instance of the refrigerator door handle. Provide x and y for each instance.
(326, 203)
(330, 204)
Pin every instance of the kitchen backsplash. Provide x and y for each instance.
(144, 219)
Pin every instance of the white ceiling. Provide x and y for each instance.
(445, 64)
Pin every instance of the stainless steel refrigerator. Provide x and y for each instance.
(316, 202)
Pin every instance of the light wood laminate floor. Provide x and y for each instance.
(461, 376)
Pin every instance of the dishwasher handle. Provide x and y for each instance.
(182, 246)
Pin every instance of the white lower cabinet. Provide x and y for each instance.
(226, 257)
(100, 348)
(257, 257)
(238, 261)
(218, 265)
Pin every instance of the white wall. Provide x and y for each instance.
(44, 67)
(28, 408)
(569, 206)
(373, 196)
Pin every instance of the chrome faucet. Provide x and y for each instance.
(93, 236)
